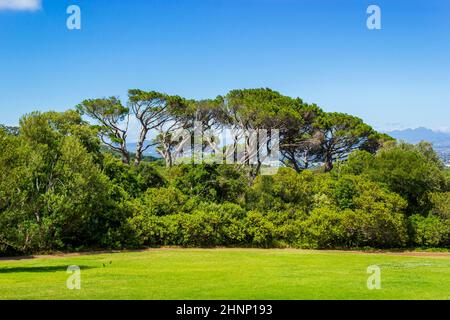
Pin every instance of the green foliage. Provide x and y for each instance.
(48, 129)
(447, 178)
(410, 171)
(260, 230)
(322, 229)
(160, 202)
(323, 210)
(210, 182)
(261, 108)
(208, 225)
(326, 228)
(53, 194)
(213, 225)
(440, 204)
(430, 231)
(133, 179)
(344, 192)
(339, 135)
(282, 191)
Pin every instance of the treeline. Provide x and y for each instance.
(60, 189)
(308, 135)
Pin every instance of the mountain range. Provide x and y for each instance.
(440, 140)
(421, 134)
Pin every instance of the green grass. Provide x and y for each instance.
(227, 274)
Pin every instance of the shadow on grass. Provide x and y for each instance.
(78, 253)
(39, 269)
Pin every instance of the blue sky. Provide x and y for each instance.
(318, 50)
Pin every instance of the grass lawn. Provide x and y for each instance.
(227, 274)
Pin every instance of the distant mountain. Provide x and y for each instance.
(421, 134)
(440, 140)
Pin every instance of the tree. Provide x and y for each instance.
(207, 115)
(193, 128)
(300, 139)
(152, 110)
(17, 182)
(53, 194)
(376, 141)
(251, 110)
(174, 134)
(171, 141)
(339, 135)
(113, 120)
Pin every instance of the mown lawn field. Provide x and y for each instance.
(227, 274)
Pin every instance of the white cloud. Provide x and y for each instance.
(20, 5)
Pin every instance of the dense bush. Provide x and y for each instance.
(441, 204)
(287, 189)
(411, 171)
(208, 225)
(211, 182)
(430, 231)
(134, 179)
(160, 202)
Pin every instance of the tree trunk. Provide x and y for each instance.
(125, 154)
(125, 159)
(168, 158)
(328, 164)
(140, 147)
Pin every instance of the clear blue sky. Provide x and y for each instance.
(318, 50)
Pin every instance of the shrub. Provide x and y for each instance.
(430, 231)
(213, 225)
(282, 191)
(287, 226)
(154, 230)
(133, 179)
(208, 225)
(376, 229)
(160, 202)
(411, 171)
(259, 230)
(327, 228)
(322, 229)
(440, 204)
(210, 182)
